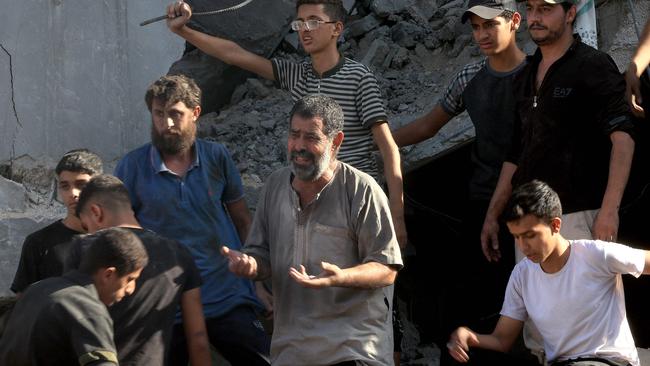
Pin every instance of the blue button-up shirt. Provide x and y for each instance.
(191, 210)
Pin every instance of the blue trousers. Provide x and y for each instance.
(238, 336)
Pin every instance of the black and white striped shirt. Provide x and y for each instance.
(355, 89)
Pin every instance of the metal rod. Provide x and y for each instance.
(230, 8)
(153, 20)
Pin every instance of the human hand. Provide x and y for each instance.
(633, 90)
(266, 298)
(605, 225)
(178, 14)
(490, 240)
(458, 345)
(331, 276)
(239, 263)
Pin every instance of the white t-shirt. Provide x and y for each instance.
(580, 310)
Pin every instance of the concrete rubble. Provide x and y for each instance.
(413, 46)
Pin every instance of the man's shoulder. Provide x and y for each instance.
(158, 243)
(592, 60)
(463, 77)
(213, 149)
(355, 69)
(137, 154)
(474, 67)
(277, 176)
(53, 234)
(358, 179)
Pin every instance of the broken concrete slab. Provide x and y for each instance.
(362, 26)
(13, 196)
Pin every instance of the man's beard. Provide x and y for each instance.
(551, 36)
(173, 143)
(313, 171)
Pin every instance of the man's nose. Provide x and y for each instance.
(130, 289)
(76, 192)
(170, 122)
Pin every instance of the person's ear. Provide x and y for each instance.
(106, 274)
(571, 14)
(516, 21)
(338, 29)
(556, 225)
(196, 112)
(338, 140)
(97, 213)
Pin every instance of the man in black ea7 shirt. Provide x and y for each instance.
(573, 130)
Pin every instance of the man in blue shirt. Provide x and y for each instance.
(191, 191)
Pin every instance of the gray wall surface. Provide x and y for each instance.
(80, 69)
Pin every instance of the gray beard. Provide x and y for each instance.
(311, 172)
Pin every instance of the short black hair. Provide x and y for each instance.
(533, 198)
(318, 105)
(80, 161)
(113, 247)
(108, 190)
(507, 14)
(566, 5)
(333, 8)
(174, 89)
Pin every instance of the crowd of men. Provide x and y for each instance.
(161, 261)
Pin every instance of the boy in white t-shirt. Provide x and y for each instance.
(571, 290)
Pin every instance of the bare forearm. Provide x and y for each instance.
(641, 57)
(367, 276)
(393, 176)
(422, 128)
(619, 170)
(502, 191)
(228, 52)
(194, 325)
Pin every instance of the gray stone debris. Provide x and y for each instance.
(414, 47)
(13, 196)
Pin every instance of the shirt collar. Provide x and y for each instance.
(537, 57)
(159, 166)
(333, 70)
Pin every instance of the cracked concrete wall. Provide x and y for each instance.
(80, 69)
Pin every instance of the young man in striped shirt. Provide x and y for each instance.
(319, 24)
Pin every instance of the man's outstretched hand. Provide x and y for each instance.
(332, 275)
(241, 264)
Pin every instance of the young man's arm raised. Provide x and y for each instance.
(179, 13)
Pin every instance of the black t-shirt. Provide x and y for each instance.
(38, 259)
(144, 320)
(59, 321)
(562, 132)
